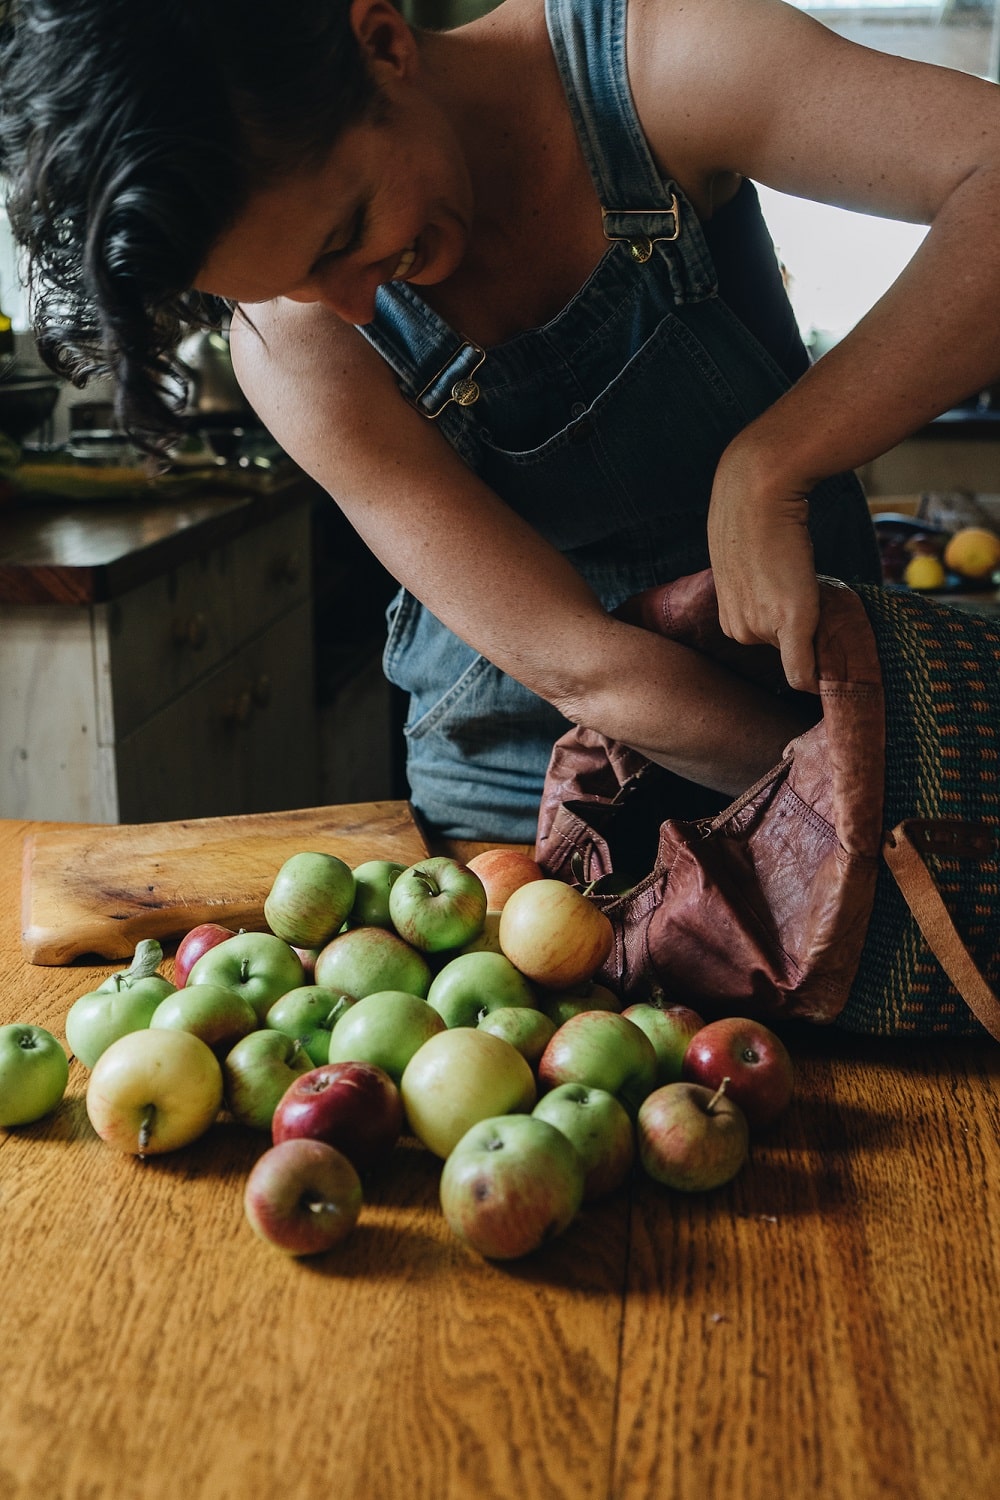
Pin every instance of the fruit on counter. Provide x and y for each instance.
(690, 1137)
(470, 985)
(122, 1003)
(193, 944)
(257, 1071)
(459, 1077)
(260, 966)
(554, 934)
(510, 1184)
(487, 941)
(754, 1060)
(34, 1072)
(502, 872)
(670, 1029)
(386, 1028)
(437, 904)
(925, 572)
(309, 899)
(367, 959)
(302, 1196)
(604, 1050)
(310, 1013)
(354, 1106)
(597, 1124)
(561, 1004)
(220, 1016)
(530, 1031)
(973, 552)
(373, 880)
(154, 1091)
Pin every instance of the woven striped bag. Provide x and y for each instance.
(858, 883)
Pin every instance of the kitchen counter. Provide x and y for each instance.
(825, 1326)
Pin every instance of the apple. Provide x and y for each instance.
(502, 872)
(487, 941)
(470, 985)
(386, 1028)
(459, 1077)
(260, 966)
(756, 1062)
(373, 880)
(34, 1072)
(604, 1050)
(124, 1002)
(257, 1071)
(309, 899)
(302, 1196)
(528, 1030)
(554, 934)
(559, 1005)
(307, 957)
(354, 1106)
(309, 1013)
(367, 959)
(691, 1137)
(597, 1124)
(193, 944)
(218, 1015)
(437, 904)
(511, 1183)
(154, 1091)
(670, 1029)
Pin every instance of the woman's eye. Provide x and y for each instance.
(355, 234)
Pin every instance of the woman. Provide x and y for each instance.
(505, 292)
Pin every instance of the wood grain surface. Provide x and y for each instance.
(828, 1326)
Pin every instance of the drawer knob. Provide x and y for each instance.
(192, 632)
(287, 569)
(238, 710)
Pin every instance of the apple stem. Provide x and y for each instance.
(710, 1106)
(146, 960)
(146, 1127)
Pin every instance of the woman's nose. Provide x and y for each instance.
(348, 291)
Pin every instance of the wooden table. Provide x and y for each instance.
(826, 1326)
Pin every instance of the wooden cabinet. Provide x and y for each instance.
(187, 692)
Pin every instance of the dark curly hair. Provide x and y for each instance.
(131, 133)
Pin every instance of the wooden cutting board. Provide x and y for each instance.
(98, 889)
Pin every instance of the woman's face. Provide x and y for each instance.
(391, 202)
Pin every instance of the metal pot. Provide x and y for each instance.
(214, 390)
(26, 401)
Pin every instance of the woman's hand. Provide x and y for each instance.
(762, 559)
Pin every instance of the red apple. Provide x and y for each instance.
(604, 1050)
(504, 871)
(193, 944)
(690, 1137)
(670, 1029)
(554, 934)
(756, 1062)
(598, 1126)
(354, 1106)
(302, 1196)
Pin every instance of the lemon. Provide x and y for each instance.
(924, 572)
(974, 552)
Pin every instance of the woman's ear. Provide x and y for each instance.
(383, 35)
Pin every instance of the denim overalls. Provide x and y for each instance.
(602, 428)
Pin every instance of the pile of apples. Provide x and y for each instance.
(455, 1003)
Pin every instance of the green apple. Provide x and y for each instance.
(670, 1029)
(310, 1013)
(309, 899)
(559, 1005)
(459, 1077)
(487, 941)
(528, 1030)
(260, 966)
(604, 1050)
(34, 1071)
(470, 985)
(218, 1015)
(123, 1003)
(385, 1028)
(437, 904)
(373, 881)
(257, 1072)
(154, 1091)
(368, 959)
(599, 1127)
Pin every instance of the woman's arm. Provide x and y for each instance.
(756, 87)
(332, 402)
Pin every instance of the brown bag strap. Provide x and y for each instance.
(902, 849)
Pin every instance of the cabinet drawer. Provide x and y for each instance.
(243, 739)
(156, 641)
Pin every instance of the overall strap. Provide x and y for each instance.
(434, 364)
(589, 43)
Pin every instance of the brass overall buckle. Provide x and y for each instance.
(616, 226)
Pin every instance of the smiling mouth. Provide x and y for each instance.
(406, 263)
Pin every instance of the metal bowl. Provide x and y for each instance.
(26, 402)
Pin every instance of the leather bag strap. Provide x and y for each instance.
(902, 849)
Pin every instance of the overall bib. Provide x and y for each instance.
(602, 428)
